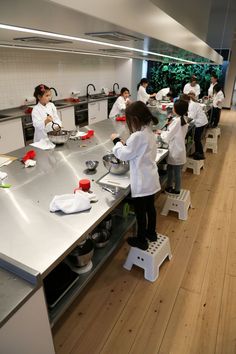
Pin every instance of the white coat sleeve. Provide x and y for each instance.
(185, 90)
(56, 118)
(197, 90)
(168, 135)
(38, 123)
(121, 104)
(192, 112)
(130, 150)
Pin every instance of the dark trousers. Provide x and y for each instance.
(198, 140)
(145, 213)
(215, 116)
(174, 176)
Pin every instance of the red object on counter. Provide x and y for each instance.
(28, 110)
(84, 185)
(71, 99)
(163, 107)
(30, 155)
(121, 119)
(88, 135)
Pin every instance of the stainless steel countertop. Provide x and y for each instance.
(18, 112)
(30, 233)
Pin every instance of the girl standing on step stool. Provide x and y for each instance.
(174, 136)
(140, 150)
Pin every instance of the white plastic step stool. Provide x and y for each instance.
(179, 203)
(151, 259)
(195, 165)
(211, 143)
(213, 132)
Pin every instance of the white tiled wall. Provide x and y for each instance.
(21, 70)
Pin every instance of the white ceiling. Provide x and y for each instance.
(158, 32)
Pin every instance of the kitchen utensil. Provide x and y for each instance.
(59, 137)
(101, 238)
(91, 164)
(82, 254)
(109, 190)
(114, 165)
(56, 127)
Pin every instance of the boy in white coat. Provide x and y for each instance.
(140, 150)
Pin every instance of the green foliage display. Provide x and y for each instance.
(177, 75)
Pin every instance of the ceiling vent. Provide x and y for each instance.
(114, 36)
(41, 40)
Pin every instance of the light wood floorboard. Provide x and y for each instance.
(191, 308)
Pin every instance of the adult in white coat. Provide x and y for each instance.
(218, 98)
(118, 108)
(192, 87)
(214, 81)
(140, 150)
(174, 136)
(163, 92)
(142, 95)
(199, 117)
(44, 113)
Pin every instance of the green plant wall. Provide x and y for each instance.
(177, 75)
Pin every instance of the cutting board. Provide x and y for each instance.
(5, 160)
(120, 181)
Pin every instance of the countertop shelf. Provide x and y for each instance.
(99, 258)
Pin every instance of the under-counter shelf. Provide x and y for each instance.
(120, 226)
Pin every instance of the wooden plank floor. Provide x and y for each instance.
(191, 308)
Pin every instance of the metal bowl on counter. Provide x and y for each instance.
(91, 165)
(114, 165)
(82, 254)
(59, 137)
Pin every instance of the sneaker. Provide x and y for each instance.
(151, 237)
(169, 190)
(136, 242)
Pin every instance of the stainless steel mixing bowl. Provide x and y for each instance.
(59, 137)
(115, 166)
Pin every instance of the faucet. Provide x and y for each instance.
(115, 84)
(87, 93)
(55, 91)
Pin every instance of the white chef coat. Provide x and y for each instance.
(118, 107)
(39, 114)
(142, 94)
(210, 90)
(219, 96)
(140, 150)
(174, 136)
(196, 112)
(188, 88)
(162, 92)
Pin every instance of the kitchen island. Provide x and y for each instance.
(39, 239)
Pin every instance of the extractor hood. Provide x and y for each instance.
(62, 28)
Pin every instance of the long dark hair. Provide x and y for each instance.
(217, 88)
(142, 81)
(40, 90)
(181, 108)
(138, 115)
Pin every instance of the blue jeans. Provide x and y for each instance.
(174, 176)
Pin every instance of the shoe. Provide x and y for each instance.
(151, 237)
(199, 157)
(169, 190)
(136, 242)
(175, 192)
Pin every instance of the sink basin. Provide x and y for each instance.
(4, 116)
(94, 97)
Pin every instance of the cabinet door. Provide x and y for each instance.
(67, 116)
(11, 136)
(102, 110)
(93, 112)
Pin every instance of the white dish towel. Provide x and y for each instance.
(44, 144)
(70, 203)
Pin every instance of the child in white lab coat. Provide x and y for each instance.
(174, 136)
(44, 113)
(142, 95)
(120, 104)
(140, 150)
(218, 98)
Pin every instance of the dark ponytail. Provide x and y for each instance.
(39, 91)
(138, 115)
(142, 81)
(181, 108)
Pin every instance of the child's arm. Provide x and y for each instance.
(130, 150)
(168, 135)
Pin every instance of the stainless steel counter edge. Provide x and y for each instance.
(19, 112)
(17, 284)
